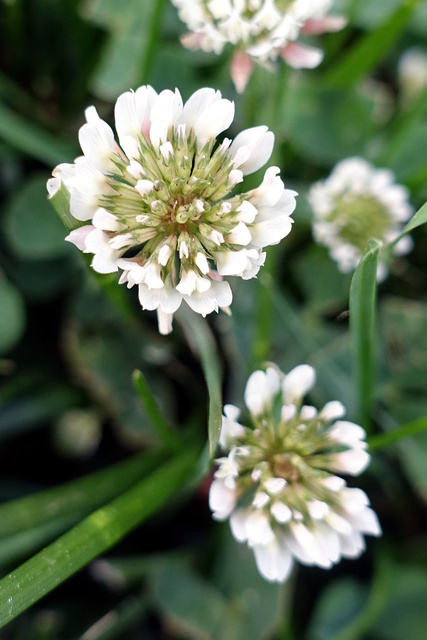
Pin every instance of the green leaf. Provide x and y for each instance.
(78, 496)
(93, 536)
(381, 440)
(362, 325)
(416, 221)
(32, 139)
(201, 340)
(32, 229)
(154, 413)
(128, 56)
(368, 52)
(12, 316)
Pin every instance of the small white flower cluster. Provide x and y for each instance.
(160, 207)
(358, 202)
(261, 30)
(278, 484)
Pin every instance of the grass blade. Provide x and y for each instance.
(381, 440)
(79, 496)
(362, 326)
(33, 140)
(202, 342)
(368, 52)
(154, 413)
(93, 536)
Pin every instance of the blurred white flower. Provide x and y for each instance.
(260, 30)
(158, 204)
(412, 73)
(358, 202)
(277, 485)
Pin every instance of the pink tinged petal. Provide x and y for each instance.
(164, 322)
(106, 221)
(332, 411)
(252, 148)
(274, 561)
(217, 296)
(281, 512)
(132, 116)
(98, 145)
(324, 25)
(261, 389)
(215, 119)
(197, 104)
(297, 383)
(241, 70)
(165, 111)
(351, 462)
(222, 500)
(301, 56)
(78, 236)
(240, 234)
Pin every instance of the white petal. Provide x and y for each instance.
(217, 296)
(332, 411)
(221, 500)
(297, 383)
(261, 390)
(167, 298)
(213, 120)
(197, 104)
(78, 236)
(98, 144)
(165, 111)
(280, 512)
(256, 144)
(106, 221)
(351, 462)
(274, 561)
(240, 234)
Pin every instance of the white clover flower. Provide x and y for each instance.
(260, 30)
(277, 485)
(158, 203)
(358, 202)
(412, 73)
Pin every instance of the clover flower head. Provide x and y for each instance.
(158, 204)
(260, 30)
(358, 202)
(278, 484)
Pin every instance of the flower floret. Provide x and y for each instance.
(277, 485)
(158, 203)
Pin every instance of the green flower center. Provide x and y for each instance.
(359, 218)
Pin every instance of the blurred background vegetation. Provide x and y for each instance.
(68, 347)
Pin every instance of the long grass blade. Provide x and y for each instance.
(362, 326)
(93, 536)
